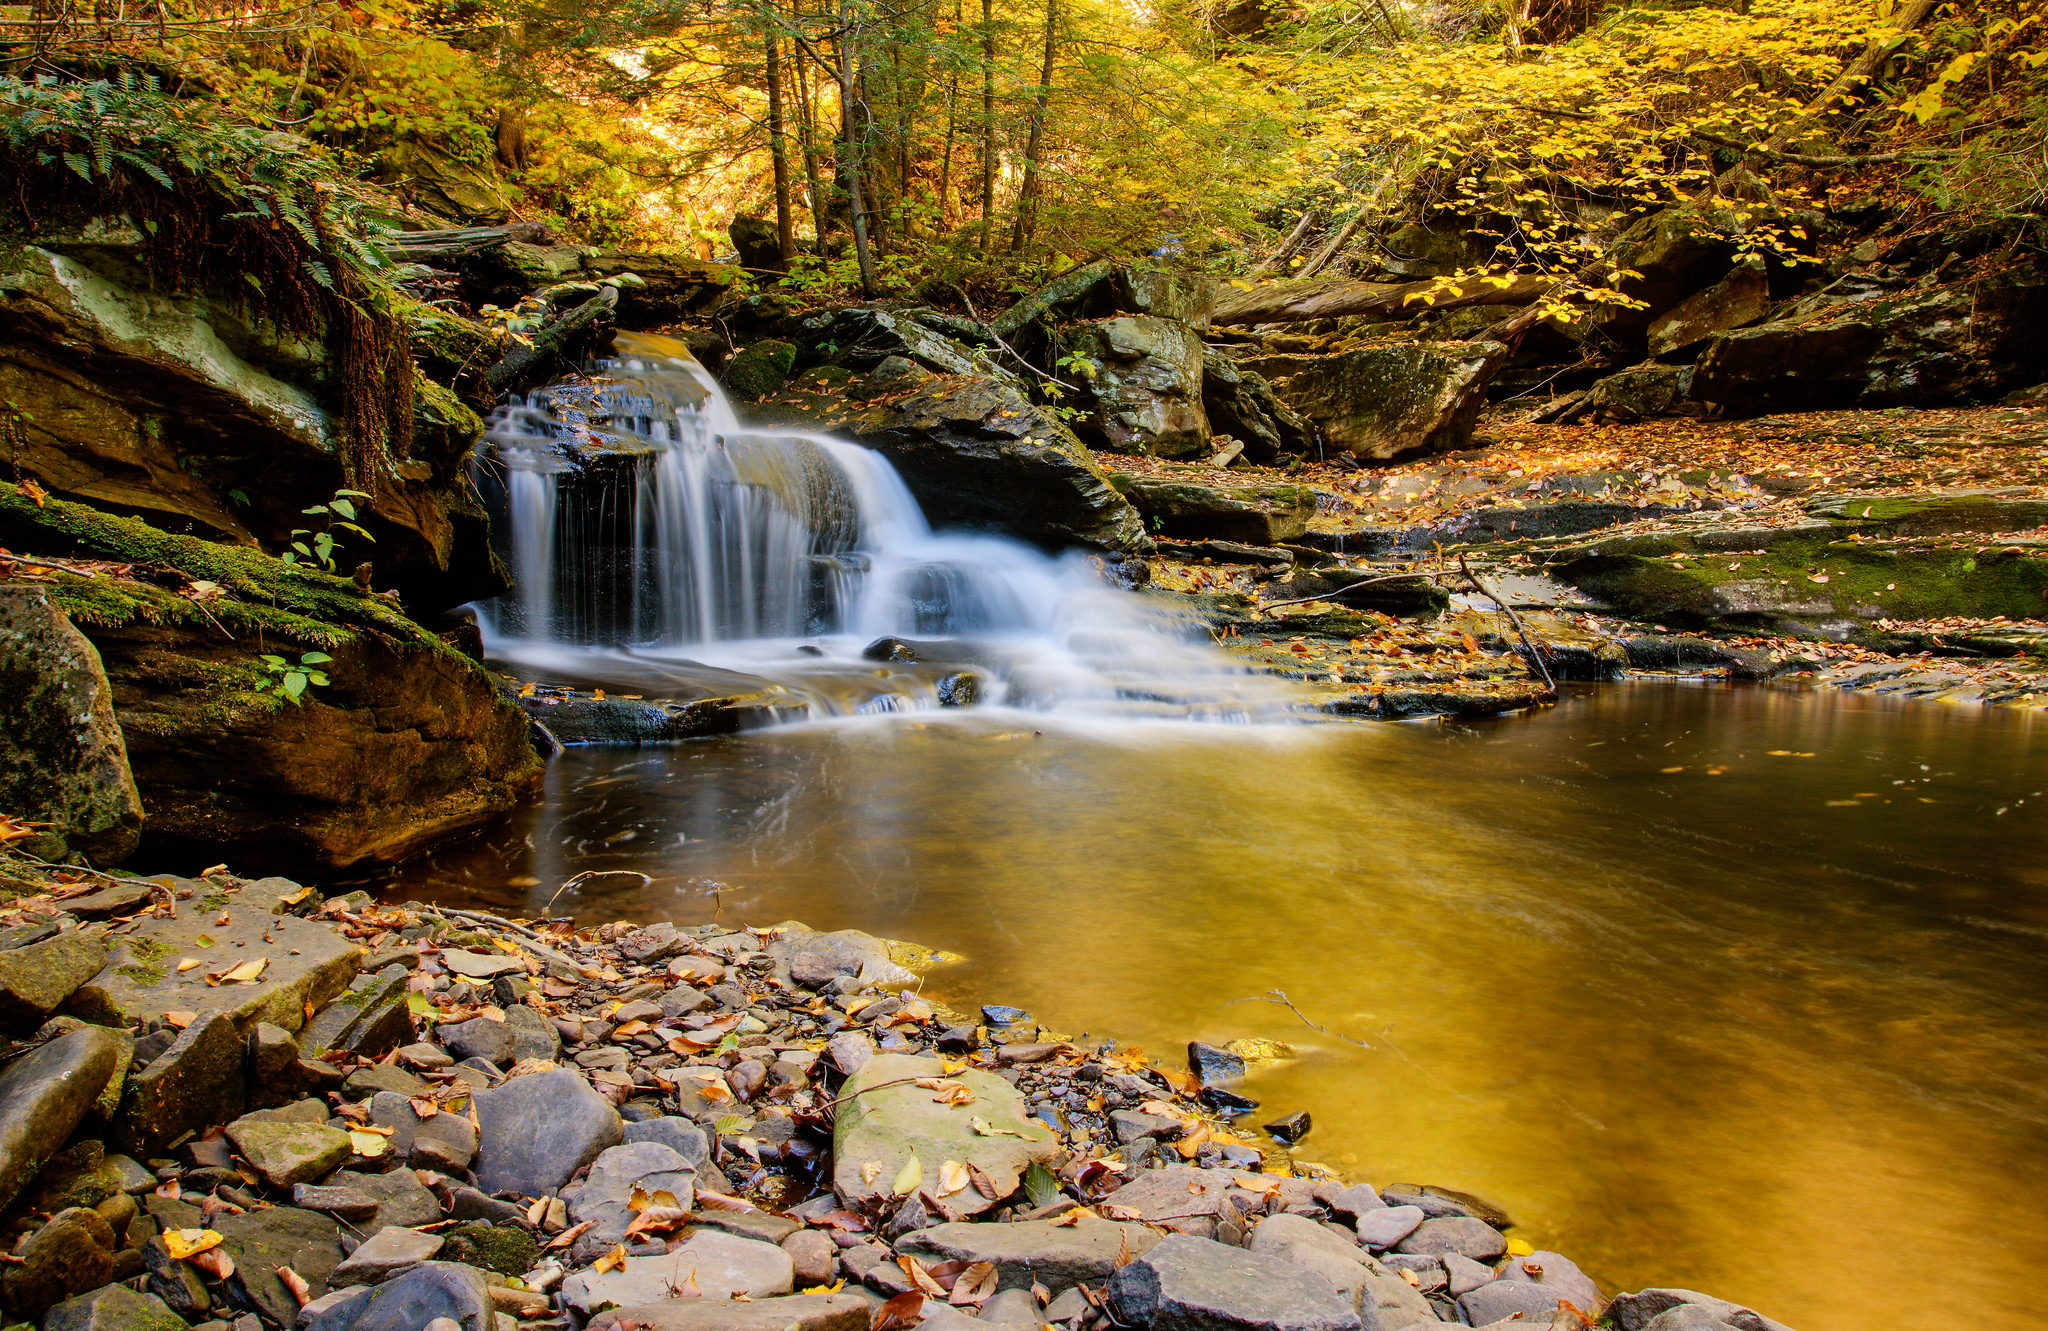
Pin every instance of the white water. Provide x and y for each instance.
(655, 541)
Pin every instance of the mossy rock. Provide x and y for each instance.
(760, 369)
(500, 1248)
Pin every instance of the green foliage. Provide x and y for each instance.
(319, 546)
(289, 678)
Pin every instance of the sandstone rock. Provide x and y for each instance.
(812, 1257)
(1556, 1272)
(533, 1036)
(1169, 1198)
(412, 1300)
(1144, 394)
(1499, 1300)
(538, 1130)
(1260, 515)
(1642, 393)
(192, 1085)
(113, 1308)
(369, 1018)
(382, 1200)
(1191, 1284)
(287, 1153)
(308, 962)
(449, 1139)
(1462, 1275)
(1387, 401)
(62, 758)
(261, 1241)
(44, 1095)
(1736, 301)
(719, 1264)
(35, 980)
(1034, 1251)
(1355, 1201)
(1240, 403)
(479, 1037)
(614, 1175)
(1302, 1243)
(891, 1124)
(796, 1312)
(383, 1255)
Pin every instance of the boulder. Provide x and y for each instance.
(1302, 1243)
(757, 242)
(760, 368)
(1467, 1236)
(1436, 247)
(413, 1299)
(62, 759)
(38, 979)
(259, 1242)
(1558, 1273)
(1260, 515)
(1034, 1252)
(616, 1174)
(1635, 1312)
(1640, 393)
(371, 1202)
(487, 1038)
(1191, 1284)
(307, 963)
(795, 1312)
(113, 1308)
(977, 453)
(863, 339)
(503, 1247)
(71, 1253)
(719, 1265)
(536, 1131)
(1142, 385)
(286, 1153)
(369, 1019)
(445, 1142)
(1736, 301)
(1389, 401)
(383, 1255)
(1383, 1227)
(889, 1124)
(1499, 1300)
(1241, 404)
(1958, 344)
(678, 1134)
(194, 1084)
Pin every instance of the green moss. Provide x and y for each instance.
(499, 1248)
(143, 975)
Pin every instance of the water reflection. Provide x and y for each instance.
(1707, 987)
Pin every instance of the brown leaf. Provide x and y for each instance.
(215, 1263)
(975, 1286)
(920, 1277)
(983, 1184)
(570, 1235)
(302, 1293)
(898, 1313)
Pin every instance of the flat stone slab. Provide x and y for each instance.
(262, 1241)
(482, 965)
(1191, 1284)
(881, 1127)
(307, 963)
(717, 1265)
(37, 979)
(285, 1153)
(383, 1255)
(1035, 1251)
(795, 1312)
(44, 1095)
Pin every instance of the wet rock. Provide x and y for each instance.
(1302, 1243)
(1261, 515)
(175, 1282)
(997, 1015)
(1388, 1225)
(1191, 1284)
(962, 688)
(1437, 1202)
(538, 1130)
(36, 979)
(396, 1198)
(1499, 1300)
(1211, 1064)
(287, 1153)
(44, 1095)
(62, 758)
(261, 1241)
(113, 1308)
(308, 963)
(760, 369)
(414, 1299)
(1034, 1251)
(193, 1084)
(1387, 401)
(720, 1265)
(615, 1174)
(1465, 1235)
(796, 1312)
(1292, 1127)
(479, 1037)
(1558, 1273)
(891, 1123)
(812, 1257)
(383, 1255)
(71, 1253)
(1634, 1312)
(1129, 1125)
(1145, 392)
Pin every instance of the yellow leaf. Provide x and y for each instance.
(907, 1178)
(183, 1243)
(188, 963)
(367, 1143)
(1520, 1248)
(952, 1178)
(613, 1260)
(871, 1171)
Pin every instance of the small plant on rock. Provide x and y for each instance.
(319, 546)
(288, 680)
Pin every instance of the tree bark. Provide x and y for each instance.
(849, 149)
(1027, 197)
(1290, 303)
(988, 122)
(778, 150)
(1287, 250)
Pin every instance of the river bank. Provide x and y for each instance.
(342, 1114)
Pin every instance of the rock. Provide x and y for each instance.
(719, 1264)
(308, 963)
(1634, 1312)
(1062, 292)
(1462, 1275)
(479, 1037)
(396, 1198)
(1191, 1284)
(1921, 348)
(62, 759)
(678, 1134)
(1465, 1235)
(1034, 1251)
(1185, 1200)
(812, 1257)
(412, 1300)
(1499, 1300)
(1308, 1246)
(533, 1036)
(71, 1253)
(481, 965)
(370, 1018)
(815, 970)
(616, 1173)
(195, 1083)
(1388, 401)
(1144, 393)
(384, 1254)
(1558, 1273)
(501, 1247)
(1388, 1225)
(891, 1124)
(380, 1078)
(1436, 1201)
(538, 1130)
(1258, 514)
(35, 980)
(113, 1308)
(760, 368)
(1736, 301)
(1292, 1127)
(44, 1095)
(977, 453)
(1129, 1125)
(1240, 403)
(1358, 1199)
(121, 898)
(797, 1312)
(1645, 392)
(448, 1141)
(262, 1241)
(287, 1153)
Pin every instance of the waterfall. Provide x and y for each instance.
(654, 539)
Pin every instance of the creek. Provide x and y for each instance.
(1734, 988)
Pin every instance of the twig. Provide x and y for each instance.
(1513, 618)
(1005, 345)
(645, 881)
(1332, 596)
(1280, 997)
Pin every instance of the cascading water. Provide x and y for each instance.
(657, 543)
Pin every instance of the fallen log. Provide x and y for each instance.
(529, 364)
(460, 242)
(1287, 302)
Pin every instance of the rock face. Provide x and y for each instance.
(44, 1095)
(1388, 401)
(1736, 301)
(1191, 1284)
(170, 404)
(979, 454)
(35, 980)
(1145, 386)
(895, 1123)
(1198, 510)
(1923, 348)
(62, 759)
(1241, 404)
(414, 1299)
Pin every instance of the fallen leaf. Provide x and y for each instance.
(975, 1286)
(215, 1262)
(988, 1129)
(1073, 1217)
(181, 1020)
(611, 1261)
(188, 964)
(35, 492)
(183, 1243)
(907, 1178)
(952, 1178)
(302, 1293)
(870, 1171)
(983, 1184)
(955, 1093)
(366, 1143)
(920, 1277)
(570, 1235)
(898, 1313)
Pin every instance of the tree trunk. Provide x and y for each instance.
(849, 149)
(778, 150)
(1027, 197)
(512, 138)
(988, 122)
(1293, 243)
(807, 131)
(1286, 302)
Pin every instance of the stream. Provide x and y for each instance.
(1725, 987)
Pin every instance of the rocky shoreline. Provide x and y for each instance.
(234, 1104)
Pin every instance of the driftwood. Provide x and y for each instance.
(1287, 302)
(460, 242)
(530, 363)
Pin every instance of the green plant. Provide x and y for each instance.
(319, 546)
(288, 680)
